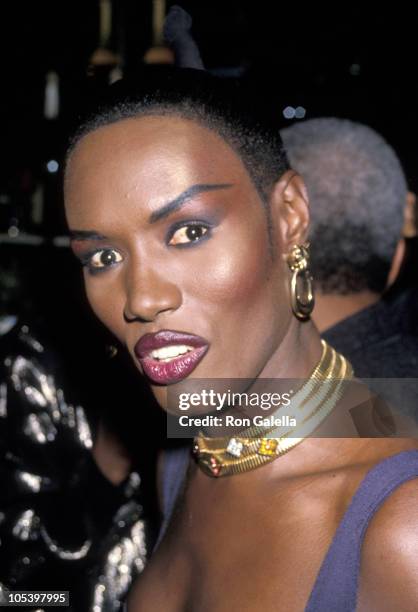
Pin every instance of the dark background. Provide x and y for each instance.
(341, 59)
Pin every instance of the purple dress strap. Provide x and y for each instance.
(335, 589)
(173, 475)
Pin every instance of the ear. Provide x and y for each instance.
(410, 216)
(289, 207)
(409, 230)
(396, 264)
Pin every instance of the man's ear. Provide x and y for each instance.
(410, 229)
(290, 209)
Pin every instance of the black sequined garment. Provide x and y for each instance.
(63, 525)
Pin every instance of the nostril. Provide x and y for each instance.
(133, 319)
(128, 319)
(145, 301)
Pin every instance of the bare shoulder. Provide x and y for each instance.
(389, 562)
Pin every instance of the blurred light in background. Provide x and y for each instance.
(294, 113)
(52, 166)
(355, 69)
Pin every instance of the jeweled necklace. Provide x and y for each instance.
(256, 446)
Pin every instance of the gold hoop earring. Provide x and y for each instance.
(301, 283)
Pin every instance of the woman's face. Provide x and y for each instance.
(177, 260)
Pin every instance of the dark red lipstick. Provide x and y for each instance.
(157, 354)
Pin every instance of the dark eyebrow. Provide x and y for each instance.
(85, 235)
(178, 202)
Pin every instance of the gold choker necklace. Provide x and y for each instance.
(259, 445)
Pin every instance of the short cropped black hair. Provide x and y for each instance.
(232, 109)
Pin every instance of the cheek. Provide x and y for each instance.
(107, 304)
(240, 297)
(239, 274)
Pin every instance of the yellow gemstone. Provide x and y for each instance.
(268, 447)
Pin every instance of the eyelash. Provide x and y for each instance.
(86, 259)
(186, 224)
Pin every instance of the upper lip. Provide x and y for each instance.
(166, 337)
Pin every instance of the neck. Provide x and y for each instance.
(299, 352)
(330, 309)
(295, 358)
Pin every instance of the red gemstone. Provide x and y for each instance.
(214, 466)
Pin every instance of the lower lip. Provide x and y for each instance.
(169, 372)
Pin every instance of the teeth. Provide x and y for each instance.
(167, 353)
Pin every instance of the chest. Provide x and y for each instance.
(261, 552)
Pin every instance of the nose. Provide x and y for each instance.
(149, 294)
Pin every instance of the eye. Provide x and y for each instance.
(104, 258)
(188, 233)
